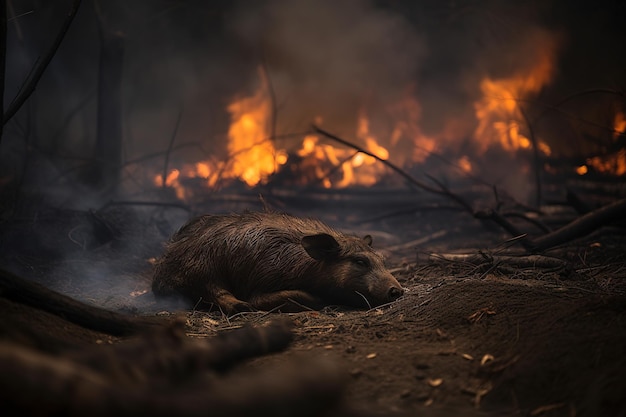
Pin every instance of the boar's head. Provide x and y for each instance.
(350, 271)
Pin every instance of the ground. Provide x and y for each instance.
(486, 338)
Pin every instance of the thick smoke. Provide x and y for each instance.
(329, 59)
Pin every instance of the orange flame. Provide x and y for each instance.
(254, 157)
(615, 163)
(498, 112)
(356, 168)
(619, 124)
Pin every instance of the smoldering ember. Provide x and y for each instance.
(348, 208)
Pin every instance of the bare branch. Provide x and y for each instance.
(38, 71)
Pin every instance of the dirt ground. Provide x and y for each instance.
(488, 340)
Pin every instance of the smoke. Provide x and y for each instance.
(327, 58)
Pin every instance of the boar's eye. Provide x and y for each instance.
(362, 262)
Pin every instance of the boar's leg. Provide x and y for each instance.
(287, 301)
(227, 302)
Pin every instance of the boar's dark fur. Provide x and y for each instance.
(270, 261)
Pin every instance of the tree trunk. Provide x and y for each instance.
(108, 148)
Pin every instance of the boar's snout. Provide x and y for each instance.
(395, 292)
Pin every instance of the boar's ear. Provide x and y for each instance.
(368, 240)
(321, 247)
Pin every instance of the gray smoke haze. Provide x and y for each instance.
(330, 58)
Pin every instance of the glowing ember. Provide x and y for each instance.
(611, 164)
(615, 163)
(465, 164)
(619, 125)
(582, 170)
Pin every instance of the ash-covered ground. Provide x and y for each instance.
(491, 337)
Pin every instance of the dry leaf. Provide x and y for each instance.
(486, 358)
(435, 382)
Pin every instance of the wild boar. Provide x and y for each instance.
(271, 261)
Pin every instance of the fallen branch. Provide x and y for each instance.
(582, 226)
(529, 261)
(29, 293)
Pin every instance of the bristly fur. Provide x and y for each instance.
(253, 256)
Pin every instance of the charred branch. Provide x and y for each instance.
(529, 261)
(582, 226)
(577, 203)
(31, 84)
(394, 167)
(29, 293)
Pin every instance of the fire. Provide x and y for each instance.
(396, 134)
(254, 157)
(500, 118)
(615, 163)
(356, 168)
(619, 125)
(465, 164)
(407, 115)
